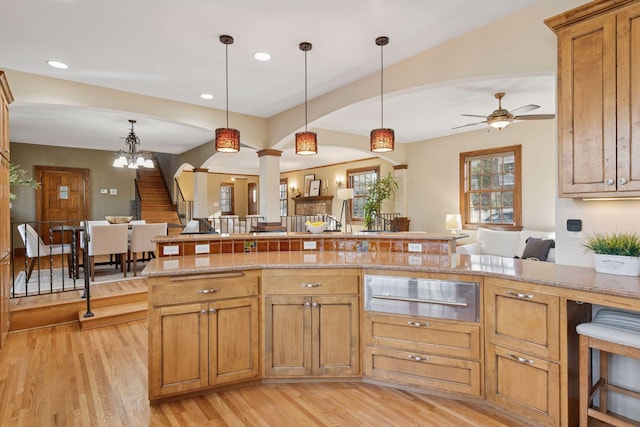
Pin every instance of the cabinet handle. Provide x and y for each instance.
(519, 295)
(311, 285)
(418, 358)
(610, 181)
(520, 359)
(315, 305)
(204, 311)
(622, 181)
(208, 291)
(307, 304)
(212, 310)
(417, 323)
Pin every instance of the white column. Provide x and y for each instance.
(200, 193)
(270, 185)
(400, 173)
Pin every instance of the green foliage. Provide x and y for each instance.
(18, 177)
(626, 244)
(375, 193)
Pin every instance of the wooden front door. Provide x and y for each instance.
(64, 196)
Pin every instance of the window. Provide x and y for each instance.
(284, 206)
(226, 199)
(357, 179)
(490, 188)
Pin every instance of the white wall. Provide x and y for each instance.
(433, 173)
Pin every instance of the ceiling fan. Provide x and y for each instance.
(501, 118)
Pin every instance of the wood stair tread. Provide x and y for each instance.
(113, 314)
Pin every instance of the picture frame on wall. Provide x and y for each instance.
(314, 189)
(307, 183)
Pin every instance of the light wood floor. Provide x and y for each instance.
(61, 376)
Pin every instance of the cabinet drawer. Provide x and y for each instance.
(524, 384)
(424, 370)
(523, 320)
(311, 282)
(423, 335)
(204, 287)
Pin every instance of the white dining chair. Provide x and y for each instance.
(36, 248)
(141, 241)
(109, 239)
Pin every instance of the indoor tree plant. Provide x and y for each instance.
(375, 193)
(615, 253)
(18, 177)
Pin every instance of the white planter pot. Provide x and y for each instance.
(617, 264)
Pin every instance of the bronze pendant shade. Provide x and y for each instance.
(306, 142)
(227, 139)
(382, 140)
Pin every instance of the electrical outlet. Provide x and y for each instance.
(202, 249)
(415, 247)
(170, 250)
(309, 244)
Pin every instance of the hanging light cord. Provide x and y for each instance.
(381, 85)
(305, 90)
(226, 67)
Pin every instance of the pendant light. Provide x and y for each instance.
(306, 142)
(227, 139)
(382, 139)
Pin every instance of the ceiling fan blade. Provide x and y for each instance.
(535, 117)
(524, 109)
(469, 124)
(473, 115)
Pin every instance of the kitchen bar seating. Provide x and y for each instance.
(611, 332)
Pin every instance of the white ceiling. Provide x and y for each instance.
(170, 49)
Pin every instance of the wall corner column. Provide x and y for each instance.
(400, 173)
(270, 185)
(200, 193)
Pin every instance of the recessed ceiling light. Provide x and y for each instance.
(57, 64)
(206, 96)
(262, 56)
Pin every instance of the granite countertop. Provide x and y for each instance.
(418, 235)
(544, 273)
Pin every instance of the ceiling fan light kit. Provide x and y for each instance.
(227, 139)
(306, 142)
(501, 118)
(382, 140)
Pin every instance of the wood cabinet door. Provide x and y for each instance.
(233, 340)
(628, 108)
(528, 322)
(335, 340)
(526, 385)
(287, 335)
(587, 107)
(5, 293)
(178, 356)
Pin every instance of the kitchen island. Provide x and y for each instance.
(225, 318)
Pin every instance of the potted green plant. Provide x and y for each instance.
(18, 177)
(375, 193)
(615, 253)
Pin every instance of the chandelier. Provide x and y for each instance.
(132, 157)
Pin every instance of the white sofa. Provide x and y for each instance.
(505, 243)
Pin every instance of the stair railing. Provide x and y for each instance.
(184, 207)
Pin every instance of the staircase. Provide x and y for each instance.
(155, 200)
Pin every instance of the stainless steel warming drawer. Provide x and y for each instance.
(443, 299)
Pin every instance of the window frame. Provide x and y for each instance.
(284, 202)
(517, 187)
(231, 198)
(374, 169)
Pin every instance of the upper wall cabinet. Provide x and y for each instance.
(599, 99)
